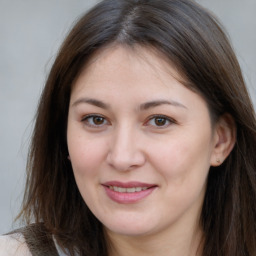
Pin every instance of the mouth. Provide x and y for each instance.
(127, 193)
(127, 190)
(128, 187)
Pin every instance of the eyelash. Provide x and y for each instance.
(86, 119)
(163, 117)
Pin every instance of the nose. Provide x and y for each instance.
(125, 150)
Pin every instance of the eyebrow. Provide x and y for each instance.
(156, 103)
(93, 102)
(144, 106)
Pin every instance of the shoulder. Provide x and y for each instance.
(13, 245)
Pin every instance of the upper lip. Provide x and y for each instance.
(131, 184)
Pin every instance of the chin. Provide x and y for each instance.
(131, 228)
(132, 232)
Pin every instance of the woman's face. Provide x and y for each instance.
(140, 143)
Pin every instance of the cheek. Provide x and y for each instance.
(183, 157)
(184, 168)
(86, 155)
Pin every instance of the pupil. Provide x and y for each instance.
(160, 121)
(98, 120)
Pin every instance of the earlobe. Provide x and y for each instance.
(224, 139)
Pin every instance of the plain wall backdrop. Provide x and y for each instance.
(30, 34)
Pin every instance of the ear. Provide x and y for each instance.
(224, 139)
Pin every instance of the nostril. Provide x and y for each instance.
(125, 151)
(125, 161)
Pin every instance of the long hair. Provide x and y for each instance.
(194, 42)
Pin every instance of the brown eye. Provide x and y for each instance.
(94, 121)
(160, 121)
(98, 120)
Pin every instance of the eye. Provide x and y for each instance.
(160, 121)
(94, 121)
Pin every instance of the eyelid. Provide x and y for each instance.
(169, 119)
(85, 119)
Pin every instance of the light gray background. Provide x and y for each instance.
(30, 34)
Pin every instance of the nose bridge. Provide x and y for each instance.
(125, 149)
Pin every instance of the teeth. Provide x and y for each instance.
(127, 190)
(117, 189)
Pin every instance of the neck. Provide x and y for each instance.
(185, 243)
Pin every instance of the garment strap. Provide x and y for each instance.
(39, 241)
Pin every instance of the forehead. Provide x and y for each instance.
(125, 78)
(125, 61)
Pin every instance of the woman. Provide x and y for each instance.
(144, 140)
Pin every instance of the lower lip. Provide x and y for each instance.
(128, 198)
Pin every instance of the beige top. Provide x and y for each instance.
(13, 245)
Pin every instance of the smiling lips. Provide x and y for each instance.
(127, 193)
(127, 190)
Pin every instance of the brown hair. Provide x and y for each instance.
(194, 42)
